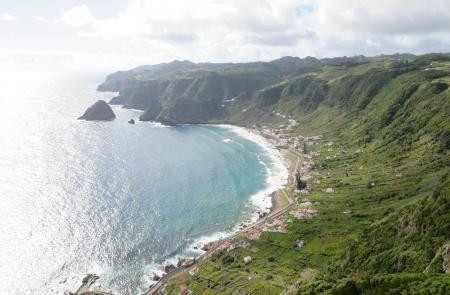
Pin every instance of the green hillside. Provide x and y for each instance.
(380, 181)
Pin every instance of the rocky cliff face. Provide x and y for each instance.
(99, 111)
(184, 92)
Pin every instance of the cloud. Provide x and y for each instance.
(60, 61)
(264, 29)
(283, 39)
(78, 16)
(7, 17)
(383, 25)
(40, 19)
(176, 37)
(382, 17)
(259, 22)
(47, 20)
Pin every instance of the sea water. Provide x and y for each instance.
(112, 198)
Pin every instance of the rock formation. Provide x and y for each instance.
(99, 111)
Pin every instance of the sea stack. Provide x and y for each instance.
(99, 111)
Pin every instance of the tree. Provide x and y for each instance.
(300, 183)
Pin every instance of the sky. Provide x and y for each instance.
(119, 34)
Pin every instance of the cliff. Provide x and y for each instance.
(185, 92)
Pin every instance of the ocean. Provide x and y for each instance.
(112, 198)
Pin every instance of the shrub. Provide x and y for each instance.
(228, 259)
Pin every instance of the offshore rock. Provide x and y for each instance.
(99, 111)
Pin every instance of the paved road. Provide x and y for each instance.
(179, 270)
(155, 288)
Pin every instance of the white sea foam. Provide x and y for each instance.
(277, 172)
(189, 252)
(158, 124)
(277, 177)
(150, 270)
(205, 240)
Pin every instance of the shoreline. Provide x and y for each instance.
(277, 208)
(281, 167)
(270, 194)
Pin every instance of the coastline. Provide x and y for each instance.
(279, 200)
(268, 201)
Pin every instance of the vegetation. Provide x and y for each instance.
(300, 183)
(384, 122)
(384, 284)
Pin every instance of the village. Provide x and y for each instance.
(301, 180)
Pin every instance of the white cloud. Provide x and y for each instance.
(186, 20)
(152, 31)
(254, 29)
(56, 60)
(40, 19)
(46, 20)
(78, 16)
(7, 17)
(373, 27)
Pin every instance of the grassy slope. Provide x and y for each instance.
(389, 126)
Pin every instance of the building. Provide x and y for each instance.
(187, 262)
(193, 271)
(184, 290)
(226, 245)
(253, 234)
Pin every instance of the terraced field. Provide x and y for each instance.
(380, 185)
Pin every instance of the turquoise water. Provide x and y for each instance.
(112, 198)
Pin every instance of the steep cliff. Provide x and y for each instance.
(185, 92)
